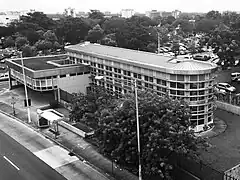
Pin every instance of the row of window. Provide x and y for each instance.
(174, 77)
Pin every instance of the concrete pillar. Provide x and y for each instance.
(55, 95)
(9, 79)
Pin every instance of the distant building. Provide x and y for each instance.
(139, 14)
(55, 17)
(70, 12)
(153, 14)
(82, 14)
(176, 13)
(166, 14)
(108, 14)
(9, 16)
(127, 13)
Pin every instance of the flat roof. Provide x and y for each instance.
(42, 62)
(141, 57)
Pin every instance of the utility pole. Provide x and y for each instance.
(25, 88)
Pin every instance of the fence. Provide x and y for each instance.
(229, 98)
(196, 169)
(65, 96)
(233, 173)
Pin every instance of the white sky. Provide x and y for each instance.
(54, 6)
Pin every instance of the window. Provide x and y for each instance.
(73, 74)
(173, 92)
(162, 82)
(201, 77)
(194, 109)
(62, 76)
(80, 73)
(173, 84)
(116, 70)
(146, 78)
(193, 86)
(200, 122)
(127, 73)
(201, 85)
(201, 92)
(201, 108)
(194, 78)
(151, 79)
(180, 77)
(181, 93)
(180, 85)
(193, 93)
(172, 77)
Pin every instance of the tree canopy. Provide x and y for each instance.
(164, 125)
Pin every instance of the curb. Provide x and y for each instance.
(58, 143)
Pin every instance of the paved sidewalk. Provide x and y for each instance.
(69, 141)
(219, 127)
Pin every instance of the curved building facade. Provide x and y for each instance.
(179, 78)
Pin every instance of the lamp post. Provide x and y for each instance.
(138, 124)
(25, 89)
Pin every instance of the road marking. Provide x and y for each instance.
(11, 162)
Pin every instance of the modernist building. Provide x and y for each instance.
(49, 73)
(180, 78)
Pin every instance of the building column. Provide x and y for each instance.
(55, 95)
(10, 85)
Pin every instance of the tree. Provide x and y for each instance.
(9, 42)
(86, 106)
(109, 40)
(213, 15)
(43, 45)
(95, 14)
(164, 125)
(96, 34)
(50, 36)
(28, 51)
(112, 25)
(21, 41)
(72, 30)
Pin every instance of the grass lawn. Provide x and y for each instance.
(225, 151)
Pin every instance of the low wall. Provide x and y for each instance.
(233, 173)
(228, 107)
(74, 129)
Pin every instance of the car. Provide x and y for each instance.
(2, 68)
(235, 76)
(220, 91)
(225, 86)
(4, 76)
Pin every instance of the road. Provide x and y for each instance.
(225, 76)
(16, 162)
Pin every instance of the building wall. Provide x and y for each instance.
(74, 84)
(196, 89)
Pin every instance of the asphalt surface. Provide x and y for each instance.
(16, 162)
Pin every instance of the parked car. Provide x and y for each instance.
(2, 68)
(220, 91)
(226, 87)
(235, 76)
(4, 76)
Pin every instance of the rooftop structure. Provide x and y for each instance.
(152, 60)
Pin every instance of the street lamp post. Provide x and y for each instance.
(138, 131)
(138, 125)
(25, 89)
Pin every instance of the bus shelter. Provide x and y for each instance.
(49, 118)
